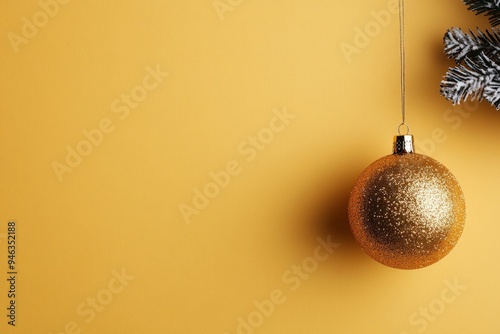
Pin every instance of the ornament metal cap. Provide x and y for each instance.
(403, 144)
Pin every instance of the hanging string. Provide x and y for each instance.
(403, 65)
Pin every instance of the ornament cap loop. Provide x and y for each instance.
(403, 144)
(404, 125)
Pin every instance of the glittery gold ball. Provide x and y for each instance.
(407, 211)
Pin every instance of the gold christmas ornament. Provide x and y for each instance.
(406, 210)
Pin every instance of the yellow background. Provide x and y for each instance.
(120, 207)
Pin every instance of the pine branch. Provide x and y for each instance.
(492, 93)
(477, 79)
(490, 7)
(477, 74)
(492, 90)
(459, 45)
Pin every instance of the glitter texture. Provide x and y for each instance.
(407, 211)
